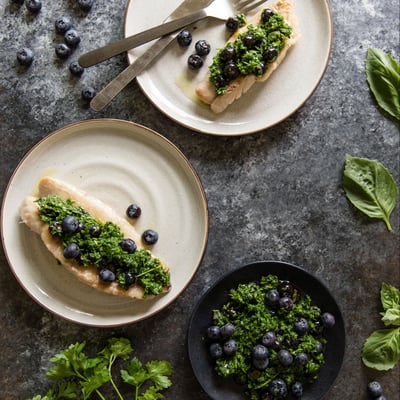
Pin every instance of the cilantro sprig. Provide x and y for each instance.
(78, 376)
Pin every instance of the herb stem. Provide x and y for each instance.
(146, 272)
(112, 359)
(100, 394)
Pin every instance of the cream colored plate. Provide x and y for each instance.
(119, 162)
(169, 84)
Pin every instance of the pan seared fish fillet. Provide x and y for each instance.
(29, 213)
(206, 90)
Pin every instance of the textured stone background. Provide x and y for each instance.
(275, 194)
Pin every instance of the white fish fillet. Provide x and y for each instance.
(29, 213)
(238, 87)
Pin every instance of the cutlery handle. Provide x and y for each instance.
(128, 74)
(103, 53)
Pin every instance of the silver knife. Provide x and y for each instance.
(128, 74)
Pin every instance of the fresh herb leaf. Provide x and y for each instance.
(383, 76)
(370, 187)
(381, 350)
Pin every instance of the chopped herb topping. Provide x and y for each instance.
(101, 244)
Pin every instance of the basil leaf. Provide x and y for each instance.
(383, 76)
(370, 187)
(390, 296)
(381, 350)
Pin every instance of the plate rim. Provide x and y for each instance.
(255, 129)
(237, 271)
(101, 121)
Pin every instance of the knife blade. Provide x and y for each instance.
(105, 96)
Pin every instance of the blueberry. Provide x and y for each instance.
(261, 365)
(85, 5)
(72, 37)
(232, 24)
(62, 24)
(227, 330)
(328, 320)
(297, 389)
(231, 71)
(286, 303)
(195, 61)
(88, 93)
(285, 289)
(133, 211)
(149, 236)
(227, 54)
(301, 326)
(278, 388)
(216, 350)
(213, 332)
(266, 15)
(107, 275)
(69, 224)
(230, 347)
(301, 359)
(25, 56)
(202, 47)
(270, 54)
(273, 297)
(75, 68)
(285, 357)
(268, 339)
(374, 389)
(184, 38)
(320, 347)
(72, 251)
(260, 69)
(62, 50)
(260, 352)
(128, 245)
(248, 41)
(34, 6)
(129, 278)
(94, 231)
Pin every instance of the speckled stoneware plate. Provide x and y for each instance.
(221, 389)
(169, 83)
(119, 162)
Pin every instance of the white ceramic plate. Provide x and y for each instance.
(169, 84)
(119, 162)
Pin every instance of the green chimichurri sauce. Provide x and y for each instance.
(99, 244)
(247, 309)
(251, 52)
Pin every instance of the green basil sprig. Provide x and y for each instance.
(370, 187)
(381, 350)
(383, 76)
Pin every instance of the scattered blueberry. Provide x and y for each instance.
(213, 332)
(328, 320)
(230, 347)
(149, 236)
(34, 6)
(285, 357)
(268, 339)
(216, 350)
(375, 389)
(232, 24)
(297, 389)
(301, 326)
(195, 61)
(278, 388)
(94, 231)
(72, 251)
(25, 56)
(62, 24)
(133, 211)
(75, 68)
(266, 15)
(85, 5)
(320, 347)
(70, 224)
(129, 278)
(227, 330)
(202, 47)
(106, 275)
(261, 365)
(72, 37)
(301, 359)
(88, 93)
(128, 245)
(260, 352)
(286, 303)
(270, 54)
(228, 54)
(231, 70)
(249, 41)
(62, 50)
(184, 38)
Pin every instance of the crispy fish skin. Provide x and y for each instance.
(239, 86)
(29, 213)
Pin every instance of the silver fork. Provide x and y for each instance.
(219, 9)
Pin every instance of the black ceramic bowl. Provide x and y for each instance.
(222, 388)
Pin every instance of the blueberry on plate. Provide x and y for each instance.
(33, 6)
(184, 38)
(128, 245)
(260, 352)
(202, 47)
(227, 330)
(278, 388)
(69, 224)
(328, 320)
(25, 56)
(107, 275)
(133, 211)
(374, 389)
(75, 68)
(195, 61)
(149, 236)
(301, 326)
(85, 5)
(72, 37)
(62, 24)
(301, 359)
(216, 350)
(297, 389)
(213, 332)
(230, 347)
(232, 24)
(88, 93)
(62, 50)
(72, 251)
(285, 357)
(268, 339)
(260, 365)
